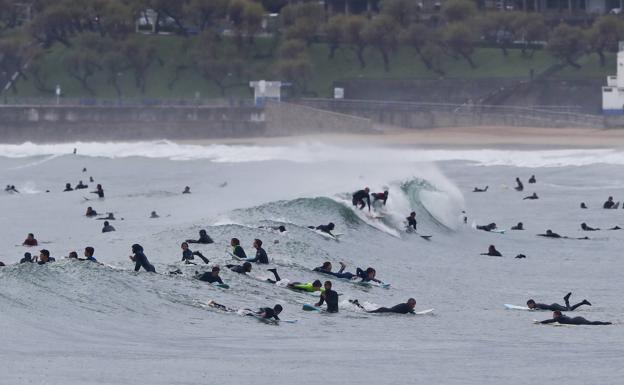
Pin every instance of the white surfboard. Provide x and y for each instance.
(423, 312)
(516, 307)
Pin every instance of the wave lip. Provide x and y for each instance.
(311, 152)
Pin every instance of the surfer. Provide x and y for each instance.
(68, 187)
(203, 238)
(11, 189)
(153, 215)
(519, 186)
(88, 253)
(519, 226)
(492, 252)
(240, 269)
(531, 197)
(27, 258)
(609, 204)
(326, 268)
(565, 320)
(90, 212)
(99, 191)
(30, 240)
(238, 249)
(411, 221)
(107, 227)
(187, 190)
(140, 259)
(330, 297)
(383, 197)
(583, 205)
(281, 229)
(44, 257)
(532, 179)
(327, 229)
(261, 255)
(488, 227)
(81, 186)
(615, 228)
(188, 255)
(531, 304)
(268, 313)
(550, 234)
(584, 227)
(210, 277)
(476, 189)
(109, 217)
(402, 308)
(299, 286)
(360, 196)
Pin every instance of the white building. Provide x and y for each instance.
(264, 90)
(613, 93)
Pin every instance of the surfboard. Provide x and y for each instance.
(550, 324)
(221, 285)
(498, 231)
(516, 307)
(423, 312)
(325, 235)
(371, 284)
(308, 307)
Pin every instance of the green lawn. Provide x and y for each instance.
(404, 64)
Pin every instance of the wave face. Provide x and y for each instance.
(310, 152)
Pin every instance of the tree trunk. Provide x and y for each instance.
(603, 60)
(360, 55)
(386, 59)
(469, 60)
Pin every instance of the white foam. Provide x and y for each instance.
(311, 152)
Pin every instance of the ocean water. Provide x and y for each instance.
(81, 323)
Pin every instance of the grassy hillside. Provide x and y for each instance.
(260, 63)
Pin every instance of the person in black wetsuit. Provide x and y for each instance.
(476, 189)
(154, 215)
(81, 186)
(238, 249)
(615, 228)
(99, 191)
(531, 197)
(140, 259)
(488, 227)
(519, 226)
(188, 255)
(187, 190)
(44, 257)
(583, 205)
(212, 277)
(90, 212)
(584, 227)
(240, 269)
(402, 308)
(550, 234)
(68, 187)
(268, 313)
(532, 179)
(360, 196)
(330, 297)
(326, 268)
(565, 320)
(327, 229)
(492, 252)
(27, 258)
(281, 229)
(411, 221)
(519, 186)
(609, 203)
(555, 306)
(383, 197)
(261, 255)
(107, 227)
(203, 238)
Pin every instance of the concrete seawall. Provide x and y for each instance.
(99, 123)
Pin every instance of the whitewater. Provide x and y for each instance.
(73, 322)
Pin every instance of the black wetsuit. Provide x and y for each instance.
(331, 298)
(261, 257)
(188, 255)
(574, 321)
(608, 205)
(489, 227)
(551, 235)
(359, 197)
(141, 260)
(208, 277)
(268, 313)
(411, 222)
(341, 275)
(108, 229)
(556, 306)
(240, 269)
(493, 253)
(326, 229)
(401, 308)
(100, 193)
(203, 239)
(517, 227)
(239, 252)
(81, 186)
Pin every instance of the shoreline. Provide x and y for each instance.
(456, 137)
